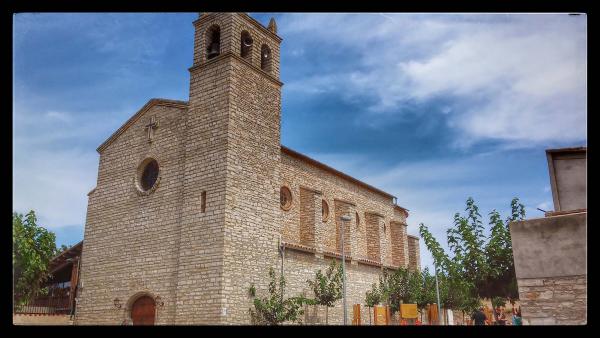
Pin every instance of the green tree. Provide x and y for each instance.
(480, 266)
(427, 294)
(33, 248)
(61, 249)
(372, 298)
(274, 309)
(327, 288)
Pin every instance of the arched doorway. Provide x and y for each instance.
(143, 311)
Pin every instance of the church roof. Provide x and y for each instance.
(184, 105)
(136, 116)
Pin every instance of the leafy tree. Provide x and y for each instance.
(372, 298)
(427, 294)
(327, 288)
(61, 249)
(480, 266)
(33, 248)
(274, 309)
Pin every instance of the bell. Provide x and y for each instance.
(247, 42)
(213, 50)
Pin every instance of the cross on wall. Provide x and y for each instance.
(150, 127)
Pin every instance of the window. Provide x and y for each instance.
(357, 219)
(265, 58)
(246, 45)
(324, 210)
(285, 198)
(213, 42)
(149, 175)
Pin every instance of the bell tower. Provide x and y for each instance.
(230, 201)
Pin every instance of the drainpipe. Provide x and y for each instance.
(282, 251)
(73, 312)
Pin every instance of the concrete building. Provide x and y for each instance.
(550, 253)
(195, 199)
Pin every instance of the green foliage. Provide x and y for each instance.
(372, 297)
(61, 249)
(327, 288)
(274, 309)
(33, 248)
(401, 285)
(479, 267)
(427, 294)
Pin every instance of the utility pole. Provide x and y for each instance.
(344, 218)
(437, 290)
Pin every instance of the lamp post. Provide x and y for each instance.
(344, 218)
(437, 290)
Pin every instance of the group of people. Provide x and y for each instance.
(479, 317)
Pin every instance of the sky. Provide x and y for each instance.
(432, 108)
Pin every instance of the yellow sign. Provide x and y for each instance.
(380, 315)
(356, 310)
(409, 310)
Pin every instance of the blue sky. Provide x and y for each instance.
(432, 108)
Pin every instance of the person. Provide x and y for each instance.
(478, 316)
(500, 316)
(517, 320)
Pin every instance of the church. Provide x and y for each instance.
(195, 200)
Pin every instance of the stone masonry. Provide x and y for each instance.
(212, 224)
(554, 300)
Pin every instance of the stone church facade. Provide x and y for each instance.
(195, 200)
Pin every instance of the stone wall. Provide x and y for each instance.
(554, 300)
(31, 319)
(300, 266)
(130, 240)
(414, 253)
(551, 268)
(369, 235)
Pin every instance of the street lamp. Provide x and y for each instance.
(437, 290)
(344, 218)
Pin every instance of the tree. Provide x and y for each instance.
(327, 288)
(274, 309)
(427, 294)
(372, 298)
(61, 249)
(33, 248)
(480, 267)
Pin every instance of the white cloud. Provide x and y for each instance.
(54, 184)
(518, 78)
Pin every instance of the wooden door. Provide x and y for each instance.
(143, 311)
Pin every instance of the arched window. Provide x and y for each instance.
(265, 58)
(213, 42)
(246, 45)
(324, 210)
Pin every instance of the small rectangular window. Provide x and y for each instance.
(203, 205)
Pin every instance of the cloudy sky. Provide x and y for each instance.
(432, 108)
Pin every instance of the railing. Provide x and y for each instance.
(53, 304)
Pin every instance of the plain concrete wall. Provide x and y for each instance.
(568, 179)
(551, 246)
